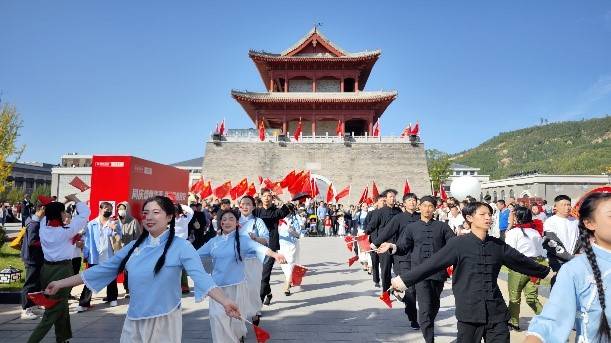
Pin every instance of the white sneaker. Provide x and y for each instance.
(80, 308)
(28, 314)
(113, 303)
(38, 310)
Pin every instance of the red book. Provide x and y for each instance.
(385, 297)
(298, 274)
(40, 299)
(262, 335)
(79, 184)
(351, 260)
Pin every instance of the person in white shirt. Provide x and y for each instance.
(183, 216)
(57, 248)
(561, 235)
(455, 219)
(524, 238)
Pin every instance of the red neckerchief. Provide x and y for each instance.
(55, 223)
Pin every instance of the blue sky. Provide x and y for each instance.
(152, 78)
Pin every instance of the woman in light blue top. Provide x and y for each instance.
(254, 227)
(578, 298)
(226, 252)
(154, 263)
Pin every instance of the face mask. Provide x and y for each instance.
(122, 213)
(107, 214)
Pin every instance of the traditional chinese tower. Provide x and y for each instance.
(323, 85)
(320, 83)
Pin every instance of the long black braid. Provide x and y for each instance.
(237, 232)
(585, 213)
(168, 207)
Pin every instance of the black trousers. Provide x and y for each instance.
(409, 299)
(31, 284)
(385, 269)
(76, 265)
(428, 293)
(375, 266)
(111, 293)
(490, 332)
(268, 264)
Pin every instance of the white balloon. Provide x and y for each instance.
(464, 186)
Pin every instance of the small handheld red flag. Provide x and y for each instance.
(343, 193)
(171, 196)
(121, 277)
(450, 270)
(75, 238)
(40, 299)
(44, 200)
(298, 274)
(262, 335)
(534, 280)
(79, 184)
(406, 188)
(374, 190)
(385, 297)
(330, 193)
(349, 245)
(351, 260)
(415, 130)
(364, 243)
(364, 195)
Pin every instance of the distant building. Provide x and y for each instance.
(71, 165)
(30, 175)
(542, 186)
(457, 170)
(194, 166)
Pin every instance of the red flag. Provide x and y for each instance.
(222, 190)
(288, 179)
(363, 242)
(442, 192)
(40, 299)
(307, 186)
(298, 274)
(376, 129)
(315, 190)
(232, 194)
(197, 187)
(262, 335)
(406, 188)
(415, 130)
(45, 200)
(261, 130)
(351, 260)
(349, 245)
(251, 190)
(121, 277)
(374, 191)
(298, 130)
(364, 195)
(222, 128)
(450, 270)
(206, 190)
(385, 297)
(338, 128)
(330, 193)
(79, 184)
(407, 131)
(273, 186)
(260, 179)
(300, 180)
(534, 280)
(242, 187)
(343, 193)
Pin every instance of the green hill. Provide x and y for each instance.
(575, 147)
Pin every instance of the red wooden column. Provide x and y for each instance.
(356, 84)
(286, 82)
(284, 126)
(313, 126)
(341, 84)
(370, 127)
(314, 84)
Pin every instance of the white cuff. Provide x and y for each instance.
(393, 249)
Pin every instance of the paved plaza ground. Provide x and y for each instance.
(335, 304)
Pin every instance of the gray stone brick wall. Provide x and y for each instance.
(389, 164)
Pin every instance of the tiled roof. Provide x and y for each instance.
(196, 162)
(363, 96)
(313, 31)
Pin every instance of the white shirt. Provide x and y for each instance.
(566, 229)
(57, 241)
(530, 245)
(182, 222)
(455, 222)
(541, 216)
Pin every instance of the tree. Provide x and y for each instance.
(40, 190)
(10, 123)
(439, 170)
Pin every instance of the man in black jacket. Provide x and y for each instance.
(401, 261)
(371, 231)
(422, 239)
(270, 215)
(31, 254)
(376, 225)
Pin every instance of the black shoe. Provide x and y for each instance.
(513, 327)
(377, 285)
(415, 325)
(256, 320)
(105, 299)
(268, 299)
(287, 293)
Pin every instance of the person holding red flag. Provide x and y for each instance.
(373, 216)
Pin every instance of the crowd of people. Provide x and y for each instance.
(415, 245)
